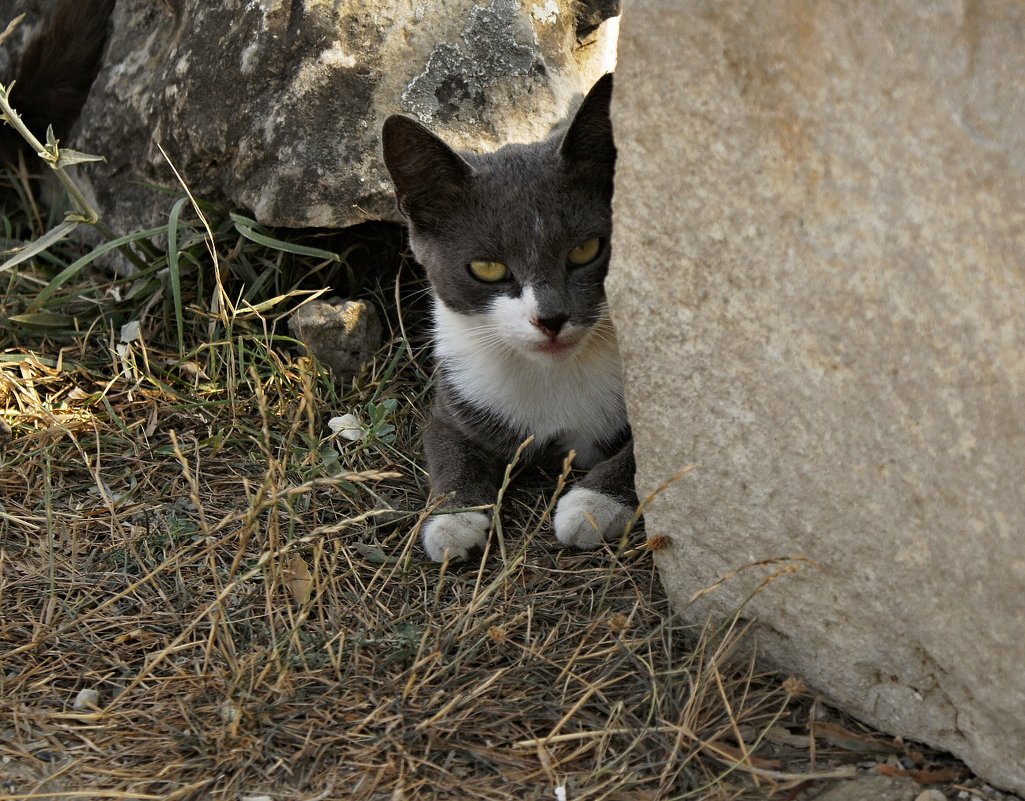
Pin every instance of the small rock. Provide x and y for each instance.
(131, 332)
(229, 711)
(931, 795)
(86, 700)
(342, 334)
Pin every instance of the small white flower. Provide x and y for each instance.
(560, 793)
(347, 426)
(131, 332)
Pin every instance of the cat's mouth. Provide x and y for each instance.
(554, 348)
(557, 348)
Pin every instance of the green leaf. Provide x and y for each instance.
(374, 554)
(68, 157)
(328, 455)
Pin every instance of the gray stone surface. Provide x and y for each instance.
(276, 106)
(871, 788)
(819, 283)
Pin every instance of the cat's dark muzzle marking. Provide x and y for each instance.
(550, 326)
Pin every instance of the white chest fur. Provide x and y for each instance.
(576, 399)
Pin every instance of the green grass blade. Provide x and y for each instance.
(76, 267)
(20, 358)
(174, 272)
(270, 303)
(47, 321)
(248, 227)
(51, 237)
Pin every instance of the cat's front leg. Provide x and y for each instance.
(598, 507)
(464, 475)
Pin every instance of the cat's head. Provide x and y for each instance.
(515, 242)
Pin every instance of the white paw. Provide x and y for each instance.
(585, 518)
(457, 534)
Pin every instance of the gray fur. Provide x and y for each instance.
(525, 206)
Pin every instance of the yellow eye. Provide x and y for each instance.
(585, 252)
(489, 271)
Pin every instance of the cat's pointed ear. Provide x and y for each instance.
(429, 176)
(589, 137)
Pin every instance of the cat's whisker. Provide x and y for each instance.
(493, 344)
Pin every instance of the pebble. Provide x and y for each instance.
(86, 700)
(343, 334)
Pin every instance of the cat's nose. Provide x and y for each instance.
(550, 326)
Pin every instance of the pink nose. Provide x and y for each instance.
(550, 326)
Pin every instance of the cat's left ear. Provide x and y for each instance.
(589, 137)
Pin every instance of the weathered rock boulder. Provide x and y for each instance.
(819, 282)
(277, 106)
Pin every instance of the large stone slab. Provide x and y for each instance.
(276, 105)
(819, 283)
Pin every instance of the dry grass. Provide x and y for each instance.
(181, 533)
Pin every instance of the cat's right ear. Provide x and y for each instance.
(589, 137)
(429, 177)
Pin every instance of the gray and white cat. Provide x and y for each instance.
(516, 248)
